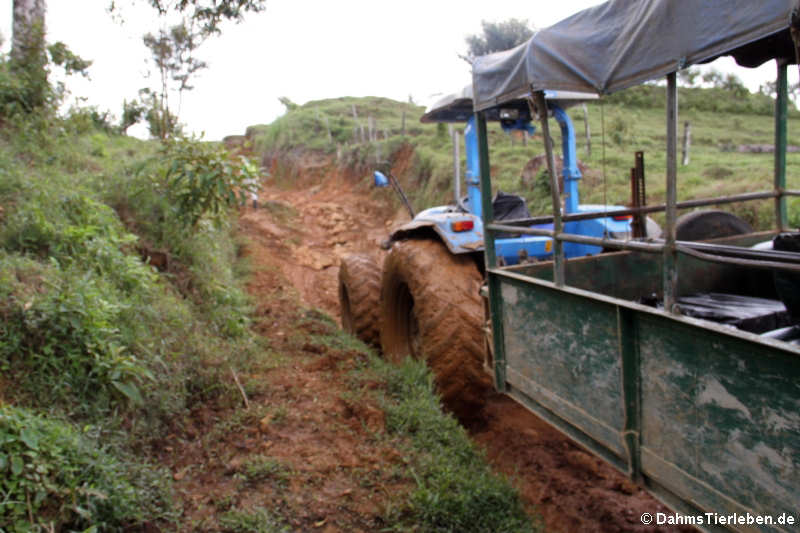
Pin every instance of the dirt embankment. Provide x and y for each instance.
(302, 452)
(328, 212)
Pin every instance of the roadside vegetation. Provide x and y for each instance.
(723, 118)
(127, 335)
(100, 351)
(455, 489)
(124, 315)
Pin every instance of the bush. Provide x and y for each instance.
(698, 99)
(201, 255)
(61, 336)
(53, 478)
(203, 179)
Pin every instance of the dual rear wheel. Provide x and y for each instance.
(429, 308)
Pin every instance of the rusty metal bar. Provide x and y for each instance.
(638, 197)
(753, 263)
(546, 219)
(639, 246)
(718, 253)
(558, 246)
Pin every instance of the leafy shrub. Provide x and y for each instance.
(698, 99)
(24, 84)
(793, 208)
(61, 336)
(53, 478)
(619, 131)
(203, 179)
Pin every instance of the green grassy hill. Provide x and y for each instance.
(629, 121)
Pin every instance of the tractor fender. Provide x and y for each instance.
(440, 223)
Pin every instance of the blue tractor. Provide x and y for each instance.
(424, 301)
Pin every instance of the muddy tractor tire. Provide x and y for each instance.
(709, 224)
(431, 310)
(359, 293)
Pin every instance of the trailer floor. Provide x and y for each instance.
(323, 213)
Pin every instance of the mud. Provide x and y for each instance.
(324, 213)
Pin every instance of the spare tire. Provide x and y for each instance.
(431, 309)
(787, 284)
(359, 293)
(709, 224)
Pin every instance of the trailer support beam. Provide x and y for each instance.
(670, 252)
(558, 245)
(781, 217)
(490, 258)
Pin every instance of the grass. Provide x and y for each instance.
(260, 468)
(105, 351)
(620, 125)
(455, 488)
(257, 520)
(58, 476)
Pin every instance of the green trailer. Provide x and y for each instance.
(704, 415)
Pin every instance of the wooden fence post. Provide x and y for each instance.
(586, 131)
(328, 128)
(687, 141)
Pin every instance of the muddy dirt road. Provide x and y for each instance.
(309, 225)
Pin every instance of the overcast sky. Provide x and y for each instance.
(302, 49)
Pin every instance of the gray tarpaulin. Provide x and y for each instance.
(622, 43)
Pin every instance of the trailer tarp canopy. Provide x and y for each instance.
(458, 107)
(622, 43)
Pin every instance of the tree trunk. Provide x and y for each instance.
(28, 26)
(687, 141)
(28, 53)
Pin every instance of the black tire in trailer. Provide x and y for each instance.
(709, 224)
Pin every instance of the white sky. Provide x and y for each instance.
(302, 49)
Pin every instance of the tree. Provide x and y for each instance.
(28, 27)
(497, 36)
(208, 14)
(769, 88)
(714, 77)
(28, 52)
(287, 103)
(132, 112)
(29, 62)
(172, 52)
(727, 82)
(688, 76)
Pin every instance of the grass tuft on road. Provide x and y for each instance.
(455, 488)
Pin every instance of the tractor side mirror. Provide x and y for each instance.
(380, 179)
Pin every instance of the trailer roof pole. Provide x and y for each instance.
(558, 245)
(670, 254)
(781, 217)
(456, 167)
(493, 282)
(486, 190)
